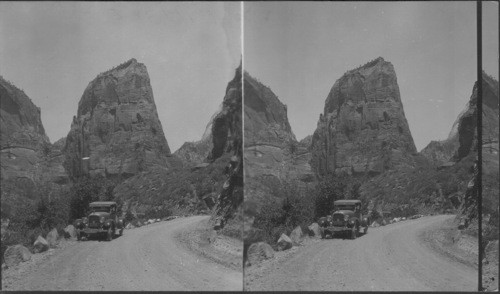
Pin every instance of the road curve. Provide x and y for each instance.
(389, 258)
(147, 258)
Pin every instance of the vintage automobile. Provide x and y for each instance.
(346, 218)
(102, 220)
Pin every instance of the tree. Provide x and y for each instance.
(83, 192)
(328, 190)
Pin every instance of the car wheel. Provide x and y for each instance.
(353, 233)
(109, 235)
(78, 235)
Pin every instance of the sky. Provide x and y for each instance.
(52, 50)
(300, 49)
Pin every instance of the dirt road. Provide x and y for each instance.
(146, 258)
(389, 258)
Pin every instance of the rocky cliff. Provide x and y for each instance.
(212, 176)
(194, 153)
(271, 149)
(28, 159)
(116, 132)
(266, 120)
(363, 128)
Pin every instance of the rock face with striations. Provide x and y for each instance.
(22, 135)
(116, 132)
(363, 129)
(28, 159)
(266, 120)
(462, 139)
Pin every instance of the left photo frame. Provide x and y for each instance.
(121, 157)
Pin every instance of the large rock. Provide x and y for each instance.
(53, 238)
(363, 128)
(117, 129)
(29, 161)
(21, 119)
(40, 245)
(260, 251)
(227, 140)
(16, 254)
(314, 230)
(70, 231)
(297, 236)
(284, 243)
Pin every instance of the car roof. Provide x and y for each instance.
(340, 202)
(102, 203)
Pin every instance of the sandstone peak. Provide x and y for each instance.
(117, 126)
(266, 119)
(363, 128)
(21, 119)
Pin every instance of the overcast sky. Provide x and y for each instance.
(300, 49)
(52, 50)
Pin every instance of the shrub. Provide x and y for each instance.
(89, 189)
(290, 208)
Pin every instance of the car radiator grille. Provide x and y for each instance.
(338, 220)
(94, 222)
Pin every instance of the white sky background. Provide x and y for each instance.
(300, 49)
(52, 50)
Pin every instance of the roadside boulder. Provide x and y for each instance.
(129, 226)
(375, 224)
(260, 251)
(284, 243)
(53, 238)
(297, 236)
(15, 255)
(40, 245)
(314, 230)
(70, 232)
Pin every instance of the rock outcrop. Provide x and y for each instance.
(227, 139)
(70, 232)
(194, 153)
(297, 236)
(40, 245)
(210, 176)
(363, 129)
(314, 230)
(116, 132)
(15, 255)
(266, 120)
(284, 243)
(22, 138)
(53, 238)
(260, 251)
(28, 159)
(21, 120)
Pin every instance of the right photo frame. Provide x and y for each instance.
(370, 148)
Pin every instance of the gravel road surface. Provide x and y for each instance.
(389, 258)
(145, 258)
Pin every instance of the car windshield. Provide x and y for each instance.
(100, 209)
(344, 207)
